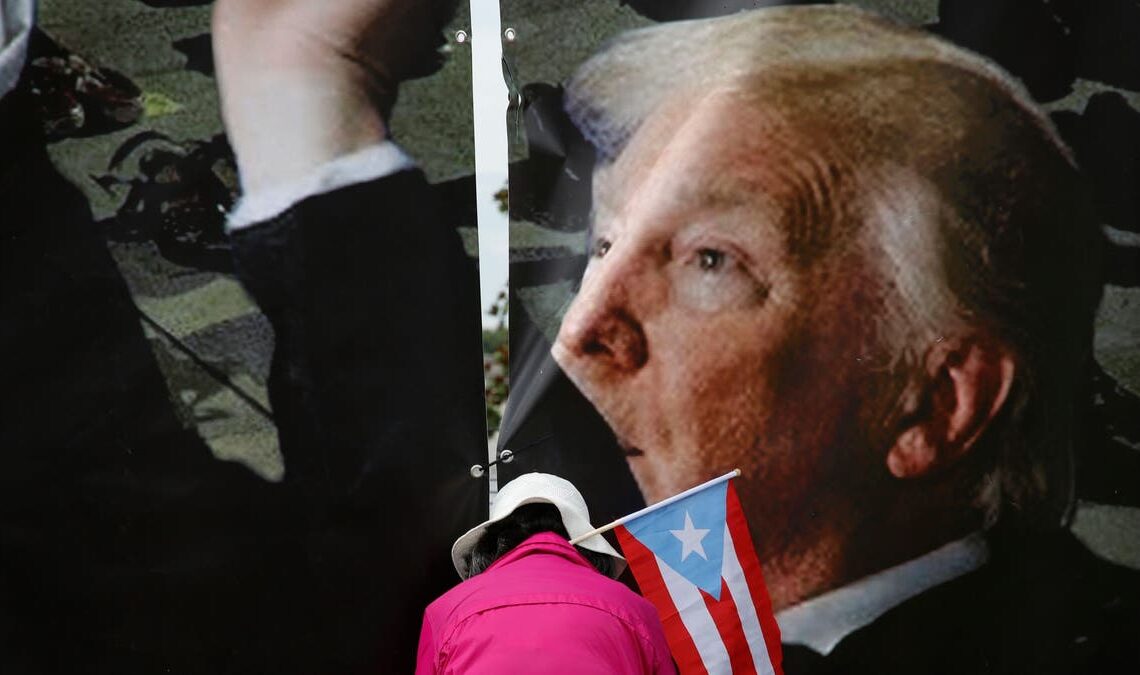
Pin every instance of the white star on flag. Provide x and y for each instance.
(690, 539)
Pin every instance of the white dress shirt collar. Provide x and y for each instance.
(821, 622)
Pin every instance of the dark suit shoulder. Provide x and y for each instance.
(1041, 605)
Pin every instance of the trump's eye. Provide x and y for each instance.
(600, 247)
(714, 278)
(710, 259)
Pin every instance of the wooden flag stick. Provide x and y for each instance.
(661, 504)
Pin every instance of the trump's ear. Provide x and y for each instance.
(967, 383)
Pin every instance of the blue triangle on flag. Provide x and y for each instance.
(688, 536)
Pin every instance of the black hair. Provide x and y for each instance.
(523, 523)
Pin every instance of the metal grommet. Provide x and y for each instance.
(461, 36)
(506, 457)
(477, 471)
(509, 35)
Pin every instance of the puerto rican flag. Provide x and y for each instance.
(693, 558)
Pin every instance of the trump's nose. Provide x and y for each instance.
(601, 332)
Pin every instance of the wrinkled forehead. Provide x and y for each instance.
(653, 153)
(725, 151)
(707, 147)
(777, 118)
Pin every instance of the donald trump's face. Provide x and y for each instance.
(830, 261)
(708, 342)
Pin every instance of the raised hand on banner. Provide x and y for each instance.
(304, 82)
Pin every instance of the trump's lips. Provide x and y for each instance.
(628, 449)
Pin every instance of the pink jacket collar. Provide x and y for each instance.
(544, 543)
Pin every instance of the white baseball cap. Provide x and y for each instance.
(538, 488)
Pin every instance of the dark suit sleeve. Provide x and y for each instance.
(376, 389)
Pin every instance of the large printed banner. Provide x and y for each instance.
(857, 252)
(880, 256)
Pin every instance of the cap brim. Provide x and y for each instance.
(463, 546)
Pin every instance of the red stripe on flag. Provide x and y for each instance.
(644, 566)
(727, 619)
(746, 553)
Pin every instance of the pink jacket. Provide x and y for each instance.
(541, 608)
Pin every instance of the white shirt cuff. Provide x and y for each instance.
(15, 26)
(375, 161)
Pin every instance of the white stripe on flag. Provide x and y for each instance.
(749, 620)
(695, 615)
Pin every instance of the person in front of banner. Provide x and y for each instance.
(531, 602)
(854, 261)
